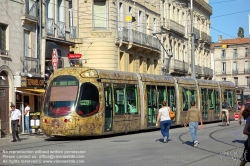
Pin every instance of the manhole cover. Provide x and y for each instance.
(120, 140)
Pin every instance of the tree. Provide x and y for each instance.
(241, 32)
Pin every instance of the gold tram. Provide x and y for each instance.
(87, 101)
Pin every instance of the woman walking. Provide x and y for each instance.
(165, 121)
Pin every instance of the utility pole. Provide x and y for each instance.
(192, 42)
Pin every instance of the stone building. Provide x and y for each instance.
(231, 63)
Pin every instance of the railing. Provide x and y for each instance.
(198, 69)
(197, 33)
(180, 66)
(61, 29)
(208, 72)
(30, 9)
(247, 71)
(50, 30)
(30, 65)
(73, 32)
(130, 35)
(235, 71)
(172, 25)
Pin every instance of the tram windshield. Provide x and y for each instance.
(61, 96)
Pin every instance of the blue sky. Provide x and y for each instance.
(227, 17)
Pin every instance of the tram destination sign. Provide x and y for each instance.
(65, 83)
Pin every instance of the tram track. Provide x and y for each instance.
(210, 151)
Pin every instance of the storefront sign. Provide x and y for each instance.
(74, 56)
(32, 82)
(54, 58)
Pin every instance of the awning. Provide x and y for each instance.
(31, 91)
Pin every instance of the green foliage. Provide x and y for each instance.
(241, 32)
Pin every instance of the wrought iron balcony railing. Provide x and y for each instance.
(50, 26)
(235, 71)
(61, 29)
(130, 35)
(30, 65)
(180, 66)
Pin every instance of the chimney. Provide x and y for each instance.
(219, 38)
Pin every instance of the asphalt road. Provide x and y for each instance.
(218, 145)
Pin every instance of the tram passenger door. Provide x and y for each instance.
(204, 104)
(217, 104)
(108, 124)
(151, 105)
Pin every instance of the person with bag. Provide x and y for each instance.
(244, 107)
(246, 115)
(165, 120)
(193, 117)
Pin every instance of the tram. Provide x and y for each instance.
(84, 101)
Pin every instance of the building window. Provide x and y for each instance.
(26, 43)
(223, 54)
(140, 21)
(247, 68)
(247, 52)
(154, 25)
(121, 16)
(49, 12)
(60, 11)
(235, 70)
(235, 53)
(223, 67)
(100, 16)
(3, 37)
(248, 81)
(223, 78)
(236, 81)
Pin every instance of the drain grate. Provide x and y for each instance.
(120, 141)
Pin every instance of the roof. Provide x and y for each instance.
(235, 41)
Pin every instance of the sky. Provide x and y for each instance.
(227, 17)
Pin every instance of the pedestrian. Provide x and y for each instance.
(193, 117)
(15, 116)
(246, 156)
(165, 121)
(27, 117)
(244, 107)
(225, 107)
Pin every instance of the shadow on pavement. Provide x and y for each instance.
(239, 141)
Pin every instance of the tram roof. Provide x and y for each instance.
(226, 84)
(207, 82)
(185, 80)
(116, 75)
(156, 78)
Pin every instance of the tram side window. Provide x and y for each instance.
(188, 96)
(152, 107)
(210, 100)
(171, 98)
(89, 100)
(228, 97)
(108, 106)
(132, 99)
(162, 95)
(120, 99)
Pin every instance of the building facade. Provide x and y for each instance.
(142, 44)
(231, 63)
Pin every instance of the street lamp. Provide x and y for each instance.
(192, 42)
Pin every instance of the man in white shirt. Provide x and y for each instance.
(27, 117)
(15, 116)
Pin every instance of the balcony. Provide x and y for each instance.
(129, 35)
(205, 5)
(30, 12)
(61, 29)
(73, 32)
(176, 27)
(197, 34)
(207, 72)
(50, 30)
(198, 70)
(180, 66)
(30, 65)
(235, 71)
(247, 71)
